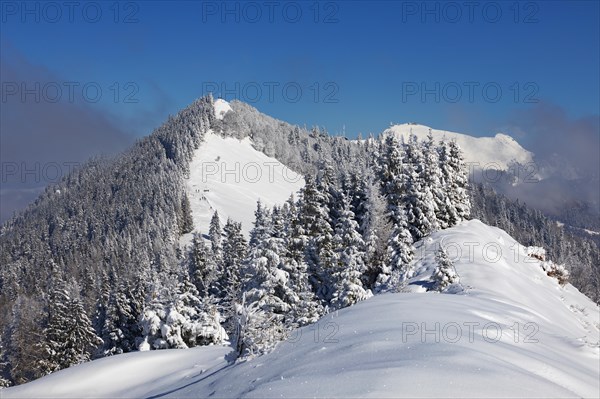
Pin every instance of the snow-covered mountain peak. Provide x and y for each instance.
(221, 108)
(498, 152)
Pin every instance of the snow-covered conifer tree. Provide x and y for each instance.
(377, 228)
(399, 180)
(202, 267)
(256, 331)
(305, 306)
(4, 372)
(444, 274)
(459, 183)
(419, 202)
(400, 254)
(317, 226)
(120, 329)
(431, 178)
(350, 261)
(230, 279)
(216, 235)
(69, 336)
(180, 320)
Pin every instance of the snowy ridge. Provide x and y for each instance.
(498, 152)
(509, 331)
(228, 175)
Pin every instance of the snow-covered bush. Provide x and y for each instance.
(538, 253)
(257, 331)
(557, 271)
(185, 322)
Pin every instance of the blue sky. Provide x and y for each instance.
(372, 59)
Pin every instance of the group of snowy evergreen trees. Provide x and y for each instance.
(349, 234)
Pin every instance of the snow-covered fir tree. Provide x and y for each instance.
(185, 220)
(4, 370)
(188, 323)
(396, 183)
(120, 330)
(315, 218)
(256, 331)
(418, 198)
(350, 260)
(306, 307)
(456, 178)
(202, 267)
(400, 253)
(432, 179)
(264, 281)
(377, 227)
(262, 228)
(69, 337)
(230, 274)
(216, 236)
(444, 274)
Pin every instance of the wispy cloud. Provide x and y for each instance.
(567, 150)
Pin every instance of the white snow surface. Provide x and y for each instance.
(507, 331)
(130, 375)
(228, 175)
(498, 152)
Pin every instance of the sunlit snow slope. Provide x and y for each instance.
(229, 176)
(497, 152)
(508, 331)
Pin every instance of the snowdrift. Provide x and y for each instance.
(505, 329)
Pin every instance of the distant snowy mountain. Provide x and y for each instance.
(221, 108)
(498, 152)
(508, 331)
(554, 186)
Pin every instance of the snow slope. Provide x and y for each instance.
(129, 375)
(497, 152)
(508, 331)
(229, 176)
